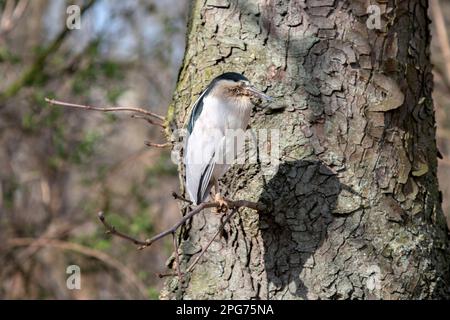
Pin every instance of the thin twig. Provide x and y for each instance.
(185, 218)
(157, 145)
(112, 230)
(176, 196)
(102, 109)
(148, 242)
(197, 259)
(234, 205)
(149, 120)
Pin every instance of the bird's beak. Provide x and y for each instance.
(258, 93)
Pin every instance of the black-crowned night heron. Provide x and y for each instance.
(222, 108)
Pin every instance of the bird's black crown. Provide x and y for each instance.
(232, 76)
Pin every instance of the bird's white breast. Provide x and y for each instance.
(222, 114)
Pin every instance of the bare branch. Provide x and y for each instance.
(176, 196)
(197, 259)
(112, 230)
(158, 145)
(185, 218)
(234, 205)
(148, 242)
(149, 120)
(102, 109)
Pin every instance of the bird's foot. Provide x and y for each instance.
(223, 204)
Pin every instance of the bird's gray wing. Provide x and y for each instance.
(197, 109)
(198, 173)
(200, 162)
(205, 178)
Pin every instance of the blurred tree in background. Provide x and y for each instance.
(59, 167)
(440, 16)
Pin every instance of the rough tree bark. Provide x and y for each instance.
(354, 207)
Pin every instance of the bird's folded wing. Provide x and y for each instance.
(205, 178)
(200, 162)
(196, 110)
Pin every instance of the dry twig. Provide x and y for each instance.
(112, 230)
(149, 120)
(102, 109)
(234, 205)
(176, 196)
(197, 259)
(158, 145)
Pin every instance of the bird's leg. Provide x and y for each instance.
(223, 205)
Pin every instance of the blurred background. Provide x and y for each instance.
(59, 166)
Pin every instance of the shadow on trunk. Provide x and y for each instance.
(301, 198)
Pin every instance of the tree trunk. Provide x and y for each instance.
(354, 206)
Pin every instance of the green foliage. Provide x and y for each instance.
(142, 275)
(41, 115)
(93, 72)
(162, 167)
(118, 221)
(153, 293)
(169, 27)
(142, 224)
(114, 94)
(102, 244)
(137, 225)
(39, 79)
(110, 69)
(29, 122)
(9, 188)
(96, 240)
(75, 152)
(85, 148)
(66, 148)
(38, 50)
(6, 56)
(83, 80)
(63, 152)
(110, 118)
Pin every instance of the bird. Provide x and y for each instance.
(224, 105)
